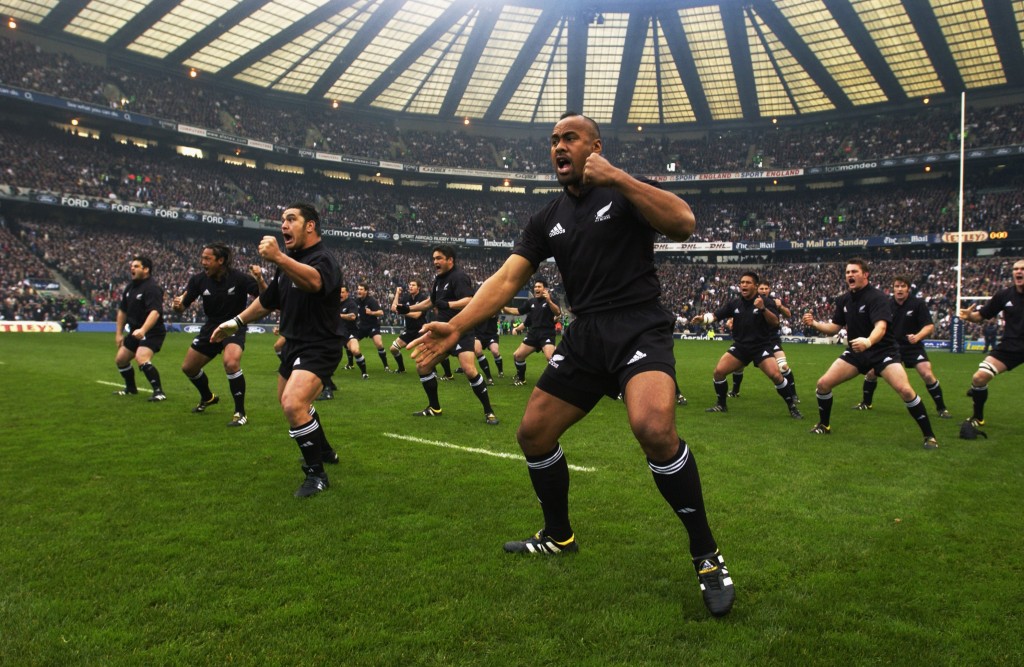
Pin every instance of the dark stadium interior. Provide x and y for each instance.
(783, 192)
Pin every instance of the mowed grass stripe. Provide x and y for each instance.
(473, 450)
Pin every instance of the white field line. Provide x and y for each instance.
(473, 450)
(121, 384)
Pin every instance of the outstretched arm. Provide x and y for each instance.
(439, 337)
(666, 212)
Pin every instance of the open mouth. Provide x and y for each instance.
(287, 238)
(563, 164)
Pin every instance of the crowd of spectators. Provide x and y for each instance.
(314, 124)
(47, 159)
(94, 260)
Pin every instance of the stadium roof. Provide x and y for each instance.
(644, 62)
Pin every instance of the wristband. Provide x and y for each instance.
(402, 309)
(238, 322)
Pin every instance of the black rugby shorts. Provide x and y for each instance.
(321, 358)
(875, 359)
(601, 352)
(1010, 358)
(752, 354)
(203, 346)
(539, 340)
(912, 356)
(152, 342)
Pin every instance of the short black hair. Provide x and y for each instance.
(447, 250)
(862, 263)
(309, 213)
(145, 261)
(590, 121)
(757, 278)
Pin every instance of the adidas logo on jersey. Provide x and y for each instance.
(555, 359)
(602, 213)
(556, 230)
(1009, 304)
(297, 361)
(920, 357)
(206, 292)
(637, 356)
(886, 359)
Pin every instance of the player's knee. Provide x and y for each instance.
(783, 365)
(656, 437)
(823, 387)
(907, 394)
(296, 412)
(530, 439)
(986, 371)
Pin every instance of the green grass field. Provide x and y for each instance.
(138, 533)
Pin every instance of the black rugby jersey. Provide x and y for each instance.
(748, 324)
(1011, 303)
(858, 311)
(487, 329)
(307, 316)
(222, 299)
(141, 298)
(450, 286)
(413, 324)
(364, 321)
(540, 320)
(603, 247)
(347, 307)
(908, 319)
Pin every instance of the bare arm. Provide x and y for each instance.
(666, 212)
(827, 328)
(257, 273)
(971, 314)
(555, 310)
(460, 304)
(438, 337)
(150, 322)
(769, 315)
(861, 344)
(926, 330)
(303, 276)
(122, 319)
(252, 312)
(422, 306)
